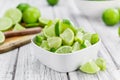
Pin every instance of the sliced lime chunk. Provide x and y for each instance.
(15, 14)
(18, 27)
(43, 21)
(45, 45)
(54, 42)
(76, 46)
(90, 67)
(5, 23)
(101, 63)
(67, 36)
(2, 37)
(94, 38)
(87, 36)
(79, 37)
(64, 49)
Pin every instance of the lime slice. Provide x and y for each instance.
(94, 38)
(64, 49)
(67, 24)
(23, 6)
(85, 44)
(76, 46)
(5, 23)
(54, 42)
(87, 36)
(15, 14)
(90, 67)
(18, 27)
(45, 45)
(79, 37)
(119, 31)
(2, 37)
(32, 25)
(101, 63)
(50, 22)
(49, 31)
(67, 37)
(43, 21)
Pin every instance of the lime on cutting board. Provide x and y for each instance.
(2, 37)
(5, 23)
(15, 14)
(18, 27)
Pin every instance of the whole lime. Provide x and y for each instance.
(23, 6)
(111, 16)
(31, 15)
(52, 2)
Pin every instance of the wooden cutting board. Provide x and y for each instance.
(15, 42)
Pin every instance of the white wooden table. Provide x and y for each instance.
(20, 64)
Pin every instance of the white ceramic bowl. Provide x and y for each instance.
(65, 62)
(95, 8)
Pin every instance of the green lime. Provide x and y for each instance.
(94, 38)
(101, 63)
(64, 50)
(23, 6)
(57, 31)
(31, 15)
(45, 45)
(49, 31)
(38, 40)
(43, 21)
(18, 27)
(67, 36)
(2, 37)
(87, 36)
(90, 67)
(54, 42)
(79, 37)
(76, 46)
(15, 14)
(5, 23)
(32, 25)
(119, 31)
(67, 24)
(52, 2)
(111, 16)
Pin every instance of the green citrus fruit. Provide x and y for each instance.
(52, 2)
(23, 6)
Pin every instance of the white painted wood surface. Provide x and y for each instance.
(20, 64)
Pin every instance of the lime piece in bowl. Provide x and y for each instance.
(90, 67)
(43, 21)
(64, 50)
(111, 16)
(54, 42)
(87, 36)
(23, 6)
(18, 27)
(79, 37)
(31, 15)
(38, 40)
(49, 31)
(2, 37)
(67, 36)
(15, 14)
(45, 45)
(5, 23)
(94, 38)
(101, 63)
(57, 30)
(76, 46)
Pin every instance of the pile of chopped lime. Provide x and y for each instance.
(62, 37)
(92, 67)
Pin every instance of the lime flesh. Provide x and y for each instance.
(2, 37)
(18, 27)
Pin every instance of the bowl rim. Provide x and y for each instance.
(79, 51)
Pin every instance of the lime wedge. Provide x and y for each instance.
(87, 36)
(5, 23)
(79, 37)
(50, 22)
(94, 38)
(67, 36)
(76, 46)
(18, 27)
(43, 21)
(32, 25)
(45, 45)
(38, 40)
(49, 31)
(90, 67)
(85, 44)
(101, 63)
(67, 24)
(119, 31)
(2, 37)
(54, 42)
(57, 31)
(64, 50)
(15, 14)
